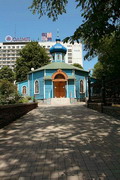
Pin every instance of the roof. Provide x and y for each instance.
(58, 48)
(58, 65)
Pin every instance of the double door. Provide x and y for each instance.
(59, 89)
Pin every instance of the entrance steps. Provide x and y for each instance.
(60, 101)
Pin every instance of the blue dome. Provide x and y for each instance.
(58, 48)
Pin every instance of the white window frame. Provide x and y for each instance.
(83, 86)
(26, 89)
(38, 87)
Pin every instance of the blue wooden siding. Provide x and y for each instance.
(48, 89)
(68, 72)
(81, 76)
(20, 86)
(37, 76)
(49, 72)
(46, 86)
(71, 88)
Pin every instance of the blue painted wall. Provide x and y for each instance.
(48, 89)
(37, 76)
(20, 86)
(68, 72)
(49, 72)
(71, 88)
(47, 85)
(81, 76)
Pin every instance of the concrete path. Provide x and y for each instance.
(61, 143)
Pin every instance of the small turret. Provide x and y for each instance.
(58, 52)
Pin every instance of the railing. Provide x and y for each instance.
(106, 92)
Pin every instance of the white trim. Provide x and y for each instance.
(52, 88)
(74, 89)
(38, 86)
(44, 72)
(18, 87)
(83, 85)
(67, 88)
(29, 87)
(44, 88)
(73, 72)
(44, 83)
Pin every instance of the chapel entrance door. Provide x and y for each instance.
(59, 89)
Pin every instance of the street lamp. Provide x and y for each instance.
(32, 69)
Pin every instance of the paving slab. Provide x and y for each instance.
(61, 143)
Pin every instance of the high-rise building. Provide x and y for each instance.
(9, 52)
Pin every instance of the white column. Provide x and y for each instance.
(67, 89)
(28, 87)
(44, 88)
(52, 88)
(74, 89)
(44, 82)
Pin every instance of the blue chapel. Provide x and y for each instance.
(57, 79)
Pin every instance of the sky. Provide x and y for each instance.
(18, 21)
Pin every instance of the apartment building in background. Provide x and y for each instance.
(9, 51)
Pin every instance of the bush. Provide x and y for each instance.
(24, 99)
(8, 93)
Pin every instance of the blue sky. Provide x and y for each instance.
(17, 19)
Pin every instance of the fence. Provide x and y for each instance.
(103, 91)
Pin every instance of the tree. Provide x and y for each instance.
(7, 73)
(98, 70)
(31, 56)
(109, 58)
(101, 18)
(8, 92)
(77, 65)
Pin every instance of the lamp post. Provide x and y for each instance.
(89, 89)
(32, 69)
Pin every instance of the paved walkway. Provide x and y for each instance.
(61, 143)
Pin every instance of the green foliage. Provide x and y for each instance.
(77, 65)
(7, 73)
(31, 56)
(51, 8)
(100, 19)
(24, 99)
(8, 92)
(98, 70)
(109, 57)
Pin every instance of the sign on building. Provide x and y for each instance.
(9, 38)
(46, 36)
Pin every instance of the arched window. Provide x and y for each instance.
(81, 86)
(24, 90)
(36, 86)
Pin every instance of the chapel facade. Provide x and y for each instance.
(57, 79)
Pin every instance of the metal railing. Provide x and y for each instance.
(104, 91)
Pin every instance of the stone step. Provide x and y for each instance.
(60, 101)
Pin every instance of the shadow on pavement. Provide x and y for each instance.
(64, 143)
